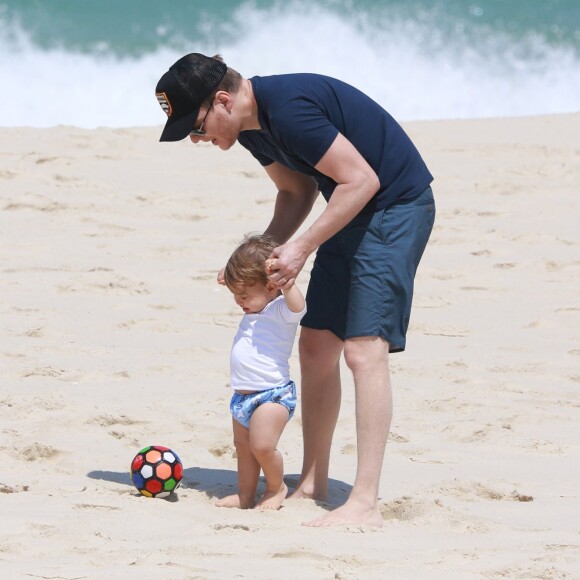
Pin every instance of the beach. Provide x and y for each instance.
(115, 335)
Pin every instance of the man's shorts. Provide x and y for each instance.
(362, 278)
(242, 407)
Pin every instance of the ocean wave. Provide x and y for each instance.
(415, 70)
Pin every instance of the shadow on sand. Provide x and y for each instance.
(218, 483)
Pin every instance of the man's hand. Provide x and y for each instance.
(285, 263)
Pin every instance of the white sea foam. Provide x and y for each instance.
(410, 69)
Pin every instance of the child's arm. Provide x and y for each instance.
(294, 298)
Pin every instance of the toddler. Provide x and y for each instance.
(264, 397)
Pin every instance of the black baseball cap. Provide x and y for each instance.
(182, 90)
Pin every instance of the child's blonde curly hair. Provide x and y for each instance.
(247, 264)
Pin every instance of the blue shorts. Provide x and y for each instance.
(361, 282)
(243, 406)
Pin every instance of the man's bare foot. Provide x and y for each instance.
(234, 501)
(350, 514)
(272, 500)
(308, 492)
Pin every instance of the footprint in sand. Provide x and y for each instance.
(42, 160)
(221, 527)
(450, 332)
(191, 217)
(4, 488)
(474, 491)
(104, 283)
(222, 450)
(110, 420)
(205, 275)
(348, 449)
(300, 553)
(149, 324)
(37, 332)
(404, 508)
(552, 266)
(62, 374)
(38, 452)
(47, 207)
(398, 438)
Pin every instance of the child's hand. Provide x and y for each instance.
(269, 264)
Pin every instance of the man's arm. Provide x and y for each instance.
(296, 196)
(356, 182)
(297, 193)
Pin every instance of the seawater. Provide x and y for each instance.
(95, 63)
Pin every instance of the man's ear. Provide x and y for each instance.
(224, 98)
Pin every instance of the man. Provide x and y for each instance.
(313, 133)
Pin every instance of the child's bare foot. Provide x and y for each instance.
(234, 501)
(272, 500)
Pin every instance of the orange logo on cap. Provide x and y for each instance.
(165, 104)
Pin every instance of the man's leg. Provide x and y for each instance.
(367, 357)
(320, 352)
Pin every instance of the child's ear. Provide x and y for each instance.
(271, 288)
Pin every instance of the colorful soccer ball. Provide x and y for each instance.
(156, 471)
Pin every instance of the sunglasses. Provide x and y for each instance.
(200, 132)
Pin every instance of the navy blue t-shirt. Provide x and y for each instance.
(300, 116)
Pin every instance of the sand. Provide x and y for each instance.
(114, 335)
